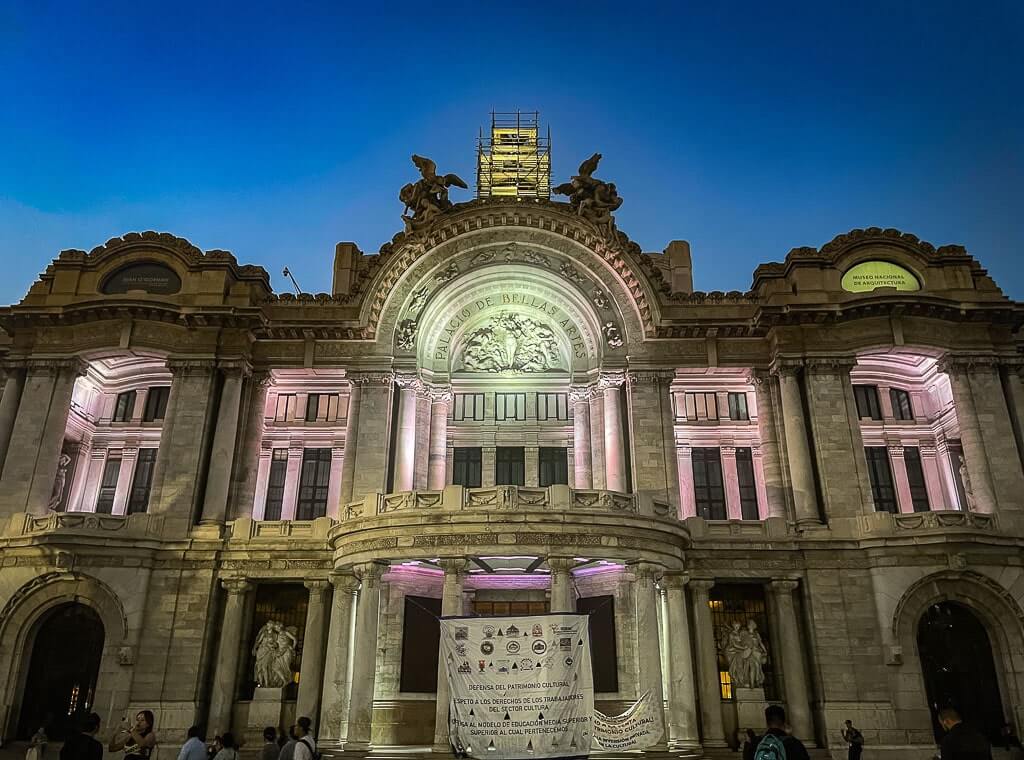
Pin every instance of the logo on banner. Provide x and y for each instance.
(487, 648)
(512, 647)
(539, 647)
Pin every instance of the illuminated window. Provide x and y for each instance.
(313, 483)
(708, 489)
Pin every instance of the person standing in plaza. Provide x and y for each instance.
(288, 748)
(270, 748)
(855, 739)
(961, 741)
(138, 741)
(305, 748)
(83, 745)
(194, 747)
(775, 743)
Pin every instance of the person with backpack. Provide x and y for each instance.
(305, 747)
(855, 739)
(775, 743)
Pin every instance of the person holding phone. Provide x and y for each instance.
(136, 742)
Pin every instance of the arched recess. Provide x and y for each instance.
(547, 256)
(998, 612)
(20, 620)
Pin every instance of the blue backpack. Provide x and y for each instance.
(770, 748)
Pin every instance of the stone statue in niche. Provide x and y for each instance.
(746, 654)
(965, 478)
(591, 198)
(427, 197)
(405, 335)
(511, 343)
(57, 494)
(274, 651)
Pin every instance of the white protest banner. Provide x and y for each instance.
(637, 728)
(520, 686)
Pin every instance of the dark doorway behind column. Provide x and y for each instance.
(62, 672)
(956, 659)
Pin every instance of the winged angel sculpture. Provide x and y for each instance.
(592, 198)
(427, 197)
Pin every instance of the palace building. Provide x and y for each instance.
(512, 409)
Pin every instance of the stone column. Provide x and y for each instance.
(774, 504)
(370, 470)
(83, 461)
(437, 459)
(259, 496)
(488, 464)
(308, 701)
(93, 477)
(334, 481)
(933, 476)
(451, 604)
(348, 468)
(13, 388)
(707, 666)
(646, 596)
(129, 456)
(1014, 399)
(614, 446)
(652, 436)
(405, 440)
(36, 440)
(364, 668)
(734, 510)
(904, 500)
(983, 496)
(247, 478)
(334, 699)
(687, 498)
(801, 470)
(225, 439)
(292, 476)
(562, 597)
(682, 698)
(176, 474)
(794, 673)
(225, 678)
(583, 468)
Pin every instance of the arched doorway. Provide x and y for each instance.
(959, 671)
(62, 671)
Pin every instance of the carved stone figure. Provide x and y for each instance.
(58, 482)
(405, 335)
(511, 343)
(612, 336)
(746, 654)
(427, 197)
(274, 651)
(591, 198)
(419, 297)
(965, 478)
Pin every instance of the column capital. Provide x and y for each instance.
(56, 366)
(370, 571)
(758, 376)
(343, 582)
(236, 586)
(188, 366)
(784, 586)
(235, 367)
(650, 376)
(702, 585)
(611, 379)
(441, 394)
(786, 367)
(581, 393)
(675, 579)
(953, 364)
(317, 586)
(561, 564)
(385, 377)
(836, 366)
(648, 571)
(895, 448)
(408, 382)
(453, 565)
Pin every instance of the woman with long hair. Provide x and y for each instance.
(136, 742)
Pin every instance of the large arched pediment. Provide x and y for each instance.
(542, 236)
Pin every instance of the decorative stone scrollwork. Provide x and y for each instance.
(448, 273)
(611, 379)
(371, 378)
(578, 394)
(511, 342)
(599, 299)
(405, 335)
(419, 298)
(569, 272)
(612, 336)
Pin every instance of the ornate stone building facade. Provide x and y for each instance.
(512, 408)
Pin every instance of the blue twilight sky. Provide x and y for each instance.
(275, 130)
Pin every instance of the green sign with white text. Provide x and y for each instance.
(871, 275)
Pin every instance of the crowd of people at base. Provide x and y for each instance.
(138, 740)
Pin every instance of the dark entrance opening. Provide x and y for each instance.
(65, 662)
(959, 672)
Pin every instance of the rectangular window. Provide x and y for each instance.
(880, 472)
(708, 490)
(108, 483)
(156, 403)
(285, 407)
(552, 406)
(498, 608)
(124, 406)
(467, 467)
(510, 466)
(738, 406)
(901, 406)
(468, 406)
(553, 466)
(701, 406)
(275, 484)
(915, 476)
(321, 407)
(421, 639)
(868, 406)
(748, 485)
(604, 656)
(313, 482)
(509, 406)
(142, 480)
